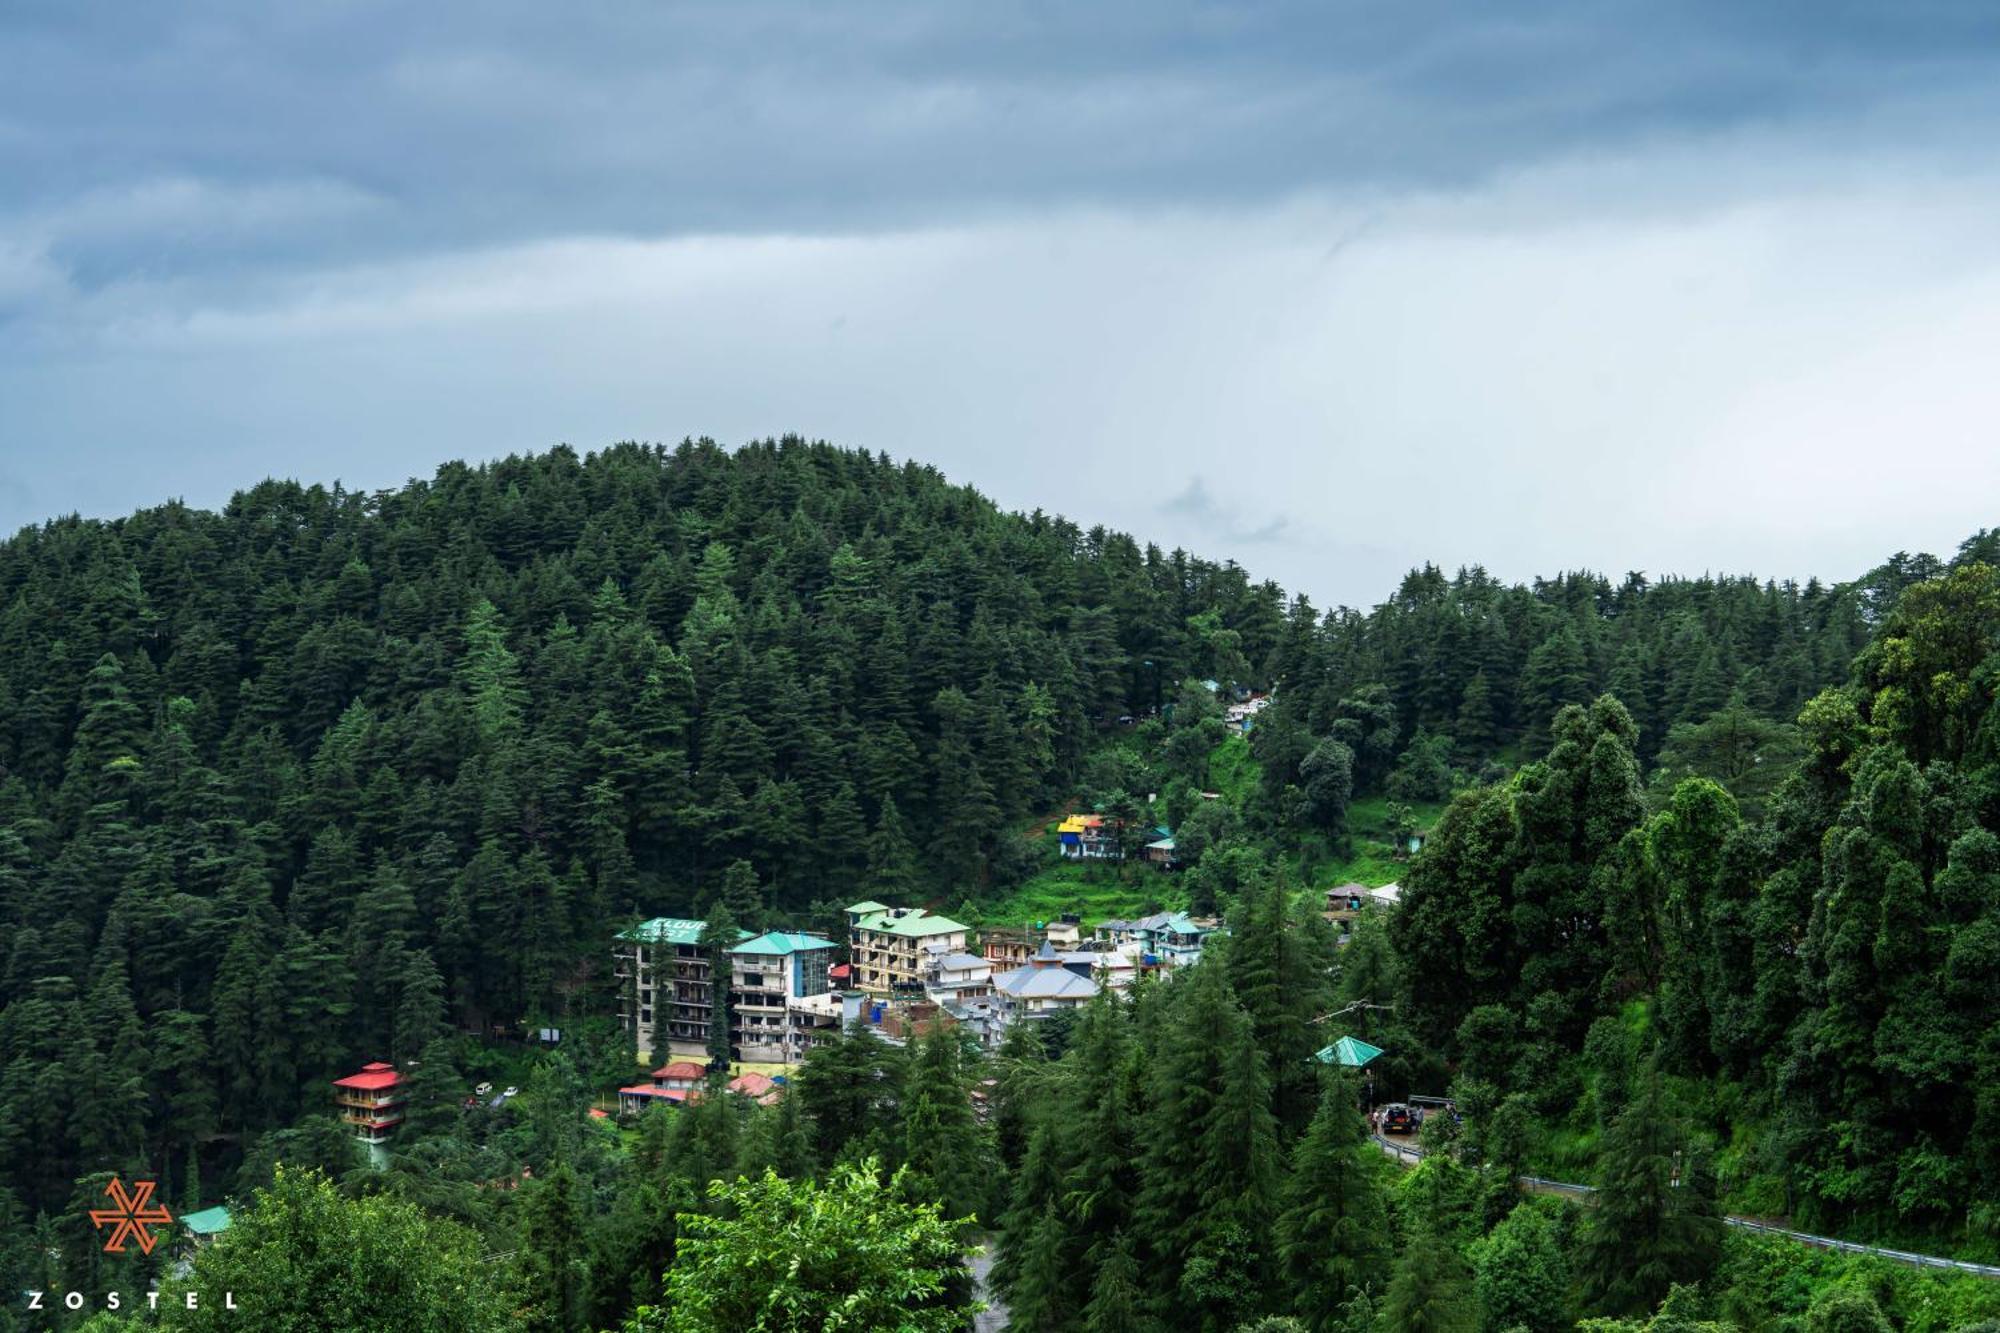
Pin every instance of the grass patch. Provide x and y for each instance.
(1233, 772)
(1094, 890)
(1371, 859)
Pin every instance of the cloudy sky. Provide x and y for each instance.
(1330, 288)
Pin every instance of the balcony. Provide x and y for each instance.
(364, 1101)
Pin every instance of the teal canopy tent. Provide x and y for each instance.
(1349, 1051)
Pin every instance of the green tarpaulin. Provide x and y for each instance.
(1349, 1051)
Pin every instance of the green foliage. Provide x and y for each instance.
(302, 1258)
(946, 1153)
(803, 1256)
(1522, 1274)
(1654, 1220)
(1431, 1291)
(324, 777)
(1332, 1233)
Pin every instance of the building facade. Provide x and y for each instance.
(1089, 838)
(1006, 948)
(950, 976)
(1169, 938)
(890, 945)
(666, 986)
(371, 1105)
(780, 1005)
(673, 1084)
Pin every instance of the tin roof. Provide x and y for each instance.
(208, 1221)
(373, 1077)
(782, 942)
(912, 923)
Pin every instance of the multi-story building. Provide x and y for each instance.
(780, 1005)
(1090, 838)
(1006, 948)
(889, 945)
(666, 991)
(371, 1105)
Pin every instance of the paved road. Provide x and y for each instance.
(993, 1319)
(1407, 1154)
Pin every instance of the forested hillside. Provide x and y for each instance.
(326, 777)
(319, 773)
(1830, 971)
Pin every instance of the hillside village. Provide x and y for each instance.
(900, 970)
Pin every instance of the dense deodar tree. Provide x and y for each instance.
(300, 783)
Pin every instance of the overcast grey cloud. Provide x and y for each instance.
(1328, 288)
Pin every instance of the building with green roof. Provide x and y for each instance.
(779, 993)
(890, 945)
(206, 1225)
(666, 994)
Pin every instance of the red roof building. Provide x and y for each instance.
(678, 1084)
(680, 1074)
(751, 1085)
(371, 1102)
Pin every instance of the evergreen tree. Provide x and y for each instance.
(1115, 1297)
(718, 937)
(1430, 1291)
(1210, 1177)
(1331, 1231)
(945, 1150)
(1647, 1229)
(551, 1264)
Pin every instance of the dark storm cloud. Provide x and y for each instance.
(360, 130)
(1340, 287)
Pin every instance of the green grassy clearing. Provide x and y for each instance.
(1094, 891)
(1372, 859)
(1232, 771)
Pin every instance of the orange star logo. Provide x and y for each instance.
(135, 1213)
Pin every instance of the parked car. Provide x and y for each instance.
(1400, 1119)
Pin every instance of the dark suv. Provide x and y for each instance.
(1400, 1119)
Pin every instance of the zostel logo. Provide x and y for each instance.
(134, 1217)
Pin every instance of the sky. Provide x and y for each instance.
(1331, 289)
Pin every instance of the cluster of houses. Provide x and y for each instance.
(1099, 838)
(1240, 704)
(680, 1082)
(900, 970)
(1242, 716)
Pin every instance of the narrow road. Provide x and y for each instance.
(1408, 1154)
(993, 1319)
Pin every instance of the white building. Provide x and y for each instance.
(954, 975)
(780, 1006)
